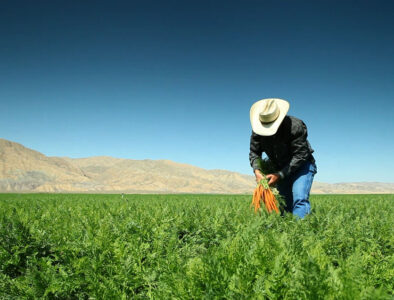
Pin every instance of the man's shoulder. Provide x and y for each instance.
(293, 119)
(295, 125)
(294, 122)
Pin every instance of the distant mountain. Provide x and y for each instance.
(353, 188)
(23, 169)
(26, 170)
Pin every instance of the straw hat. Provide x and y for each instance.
(266, 115)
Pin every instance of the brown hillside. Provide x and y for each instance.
(26, 170)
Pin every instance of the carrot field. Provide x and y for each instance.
(79, 246)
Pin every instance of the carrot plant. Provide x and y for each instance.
(263, 193)
(60, 246)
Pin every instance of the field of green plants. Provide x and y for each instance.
(70, 246)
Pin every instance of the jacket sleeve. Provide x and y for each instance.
(299, 150)
(255, 151)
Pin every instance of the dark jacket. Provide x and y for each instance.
(287, 150)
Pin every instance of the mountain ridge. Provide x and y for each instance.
(27, 170)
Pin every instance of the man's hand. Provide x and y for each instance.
(273, 179)
(258, 175)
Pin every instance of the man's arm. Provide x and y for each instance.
(255, 151)
(299, 149)
(255, 156)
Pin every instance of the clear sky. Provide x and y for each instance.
(176, 79)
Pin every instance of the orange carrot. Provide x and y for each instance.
(265, 195)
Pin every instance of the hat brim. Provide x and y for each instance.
(268, 128)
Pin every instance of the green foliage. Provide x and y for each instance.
(193, 247)
(266, 166)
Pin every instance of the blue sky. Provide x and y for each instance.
(176, 79)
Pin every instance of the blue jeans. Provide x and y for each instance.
(296, 188)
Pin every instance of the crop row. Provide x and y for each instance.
(74, 246)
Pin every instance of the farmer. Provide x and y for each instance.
(284, 140)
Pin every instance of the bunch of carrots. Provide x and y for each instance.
(263, 193)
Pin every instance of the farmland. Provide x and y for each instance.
(74, 246)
